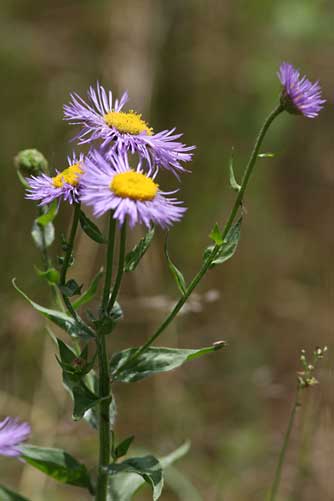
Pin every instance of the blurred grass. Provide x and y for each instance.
(208, 68)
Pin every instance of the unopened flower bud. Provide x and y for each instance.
(31, 162)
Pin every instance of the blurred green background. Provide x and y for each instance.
(208, 67)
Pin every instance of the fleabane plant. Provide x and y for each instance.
(118, 178)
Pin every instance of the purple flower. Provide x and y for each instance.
(110, 184)
(63, 185)
(104, 119)
(12, 434)
(299, 95)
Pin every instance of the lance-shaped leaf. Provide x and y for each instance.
(152, 361)
(57, 464)
(216, 235)
(176, 273)
(133, 257)
(148, 467)
(49, 214)
(74, 369)
(227, 248)
(88, 295)
(9, 495)
(72, 327)
(233, 182)
(123, 447)
(122, 487)
(43, 235)
(90, 228)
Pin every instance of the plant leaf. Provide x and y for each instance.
(90, 292)
(176, 273)
(216, 235)
(59, 318)
(227, 248)
(148, 467)
(133, 257)
(83, 398)
(123, 447)
(71, 288)
(123, 486)
(105, 325)
(91, 230)
(266, 155)
(9, 495)
(233, 182)
(51, 275)
(49, 215)
(57, 464)
(153, 361)
(37, 234)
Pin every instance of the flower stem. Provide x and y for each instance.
(120, 270)
(104, 419)
(67, 259)
(109, 263)
(206, 265)
(278, 472)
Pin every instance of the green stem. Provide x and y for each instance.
(67, 258)
(118, 280)
(198, 277)
(109, 263)
(104, 419)
(278, 472)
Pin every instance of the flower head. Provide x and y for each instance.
(111, 184)
(102, 118)
(12, 434)
(299, 95)
(64, 184)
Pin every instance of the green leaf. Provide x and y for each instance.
(105, 325)
(176, 273)
(153, 361)
(71, 288)
(49, 215)
(148, 467)
(133, 257)
(90, 228)
(83, 398)
(9, 495)
(227, 248)
(233, 182)
(90, 292)
(123, 486)
(73, 328)
(216, 235)
(123, 447)
(51, 275)
(37, 234)
(266, 155)
(57, 464)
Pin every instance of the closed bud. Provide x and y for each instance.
(31, 162)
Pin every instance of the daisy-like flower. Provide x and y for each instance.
(103, 119)
(64, 185)
(111, 184)
(299, 95)
(12, 434)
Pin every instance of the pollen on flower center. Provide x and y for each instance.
(130, 122)
(68, 176)
(134, 185)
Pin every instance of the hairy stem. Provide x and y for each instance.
(104, 419)
(118, 280)
(278, 472)
(67, 259)
(109, 263)
(198, 277)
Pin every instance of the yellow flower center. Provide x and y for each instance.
(134, 185)
(69, 176)
(130, 122)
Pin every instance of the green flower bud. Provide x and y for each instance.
(31, 162)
